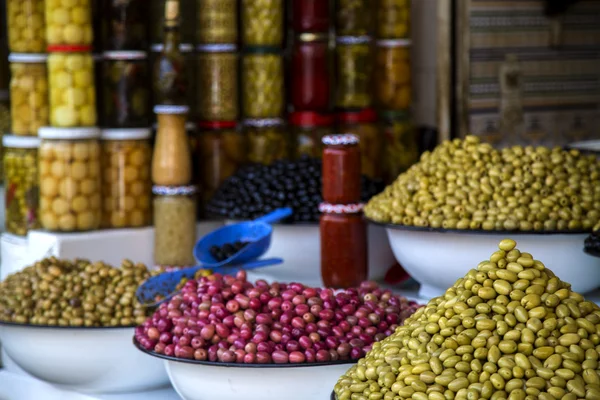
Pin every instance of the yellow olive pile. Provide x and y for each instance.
(509, 329)
(465, 184)
(74, 293)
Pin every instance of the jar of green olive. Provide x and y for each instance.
(4, 119)
(392, 81)
(308, 130)
(353, 17)
(354, 72)
(363, 123)
(217, 82)
(392, 20)
(187, 22)
(22, 183)
(187, 51)
(401, 148)
(262, 23)
(263, 87)
(268, 141)
(217, 21)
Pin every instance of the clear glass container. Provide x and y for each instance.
(187, 26)
(309, 129)
(125, 25)
(69, 22)
(4, 121)
(69, 167)
(364, 124)
(262, 23)
(401, 147)
(354, 17)
(21, 200)
(311, 16)
(392, 81)
(126, 184)
(268, 140)
(354, 72)
(311, 73)
(263, 86)
(392, 19)
(187, 82)
(72, 88)
(174, 225)
(29, 93)
(126, 92)
(26, 26)
(217, 83)
(217, 21)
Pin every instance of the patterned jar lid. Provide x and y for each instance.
(347, 139)
(174, 190)
(327, 208)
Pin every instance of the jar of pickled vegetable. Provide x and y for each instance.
(4, 120)
(392, 19)
(401, 147)
(341, 169)
(364, 124)
(311, 75)
(354, 72)
(171, 161)
(174, 225)
(311, 16)
(393, 77)
(217, 82)
(72, 89)
(26, 26)
(262, 23)
(69, 23)
(126, 92)
(309, 129)
(125, 25)
(21, 184)
(185, 85)
(354, 17)
(28, 92)
(217, 21)
(263, 87)
(267, 139)
(126, 184)
(187, 23)
(69, 167)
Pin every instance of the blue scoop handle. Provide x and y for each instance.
(275, 216)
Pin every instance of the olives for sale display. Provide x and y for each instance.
(259, 189)
(28, 93)
(217, 21)
(26, 26)
(217, 83)
(466, 184)
(74, 293)
(393, 78)
(262, 23)
(510, 329)
(69, 22)
(354, 72)
(392, 19)
(263, 87)
(222, 253)
(267, 140)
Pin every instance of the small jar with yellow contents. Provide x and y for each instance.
(69, 22)
(21, 183)
(26, 26)
(69, 168)
(126, 184)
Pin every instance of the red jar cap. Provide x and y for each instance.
(328, 208)
(310, 118)
(69, 48)
(217, 124)
(367, 115)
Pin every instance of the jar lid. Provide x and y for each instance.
(126, 134)
(327, 208)
(264, 122)
(21, 142)
(166, 109)
(367, 115)
(216, 48)
(262, 50)
(310, 118)
(394, 43)
(68, 48)
(125, 55)
(174, 190)
(50, 132)
(183, 47)
(395, 115)
(27, 57)
(312, 37)
(353, 39)
(217, 124)
(347, 139)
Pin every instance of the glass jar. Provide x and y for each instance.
(69, 23)
(262, 23)
(217, 83)
(186, 86)
(126, 184)
(125, 25)
(309, 129)
(174, 225)
(126, 92)
(401, 147)
(354, 17)
(21, 199)
(364, 124)
(187, 23)
(341, 169)
(26, 26)
(344, 251)
(311, 75)
(393, 77)
(267, 139)
(263, 87)
(98, 83)
(354, 72)
(311, 16)
(171, 161)
(72, 89)
(69, 166)
(392, 19)
(29, 93)
(4, 121)
(217, 21)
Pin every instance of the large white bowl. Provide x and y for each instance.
(437, 258)
(87, 360)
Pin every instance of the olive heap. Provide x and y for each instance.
(228, 319)
(74, 293)
(465, 184)
(259, 189)
(222, 253)
(592, 242)
(509, 329)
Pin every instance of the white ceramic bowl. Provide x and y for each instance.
(87, 360)
(437, 258)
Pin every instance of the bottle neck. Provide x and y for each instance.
(172, 39)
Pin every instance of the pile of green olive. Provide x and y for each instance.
(465, 184)
(509, 329)
(74, 293)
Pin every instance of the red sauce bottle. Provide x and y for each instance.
(341, 169)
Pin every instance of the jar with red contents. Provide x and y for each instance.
(344, 251)
(311, 16)
(311, 74)
(309, 129)
(341, 169)
(364, 124)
